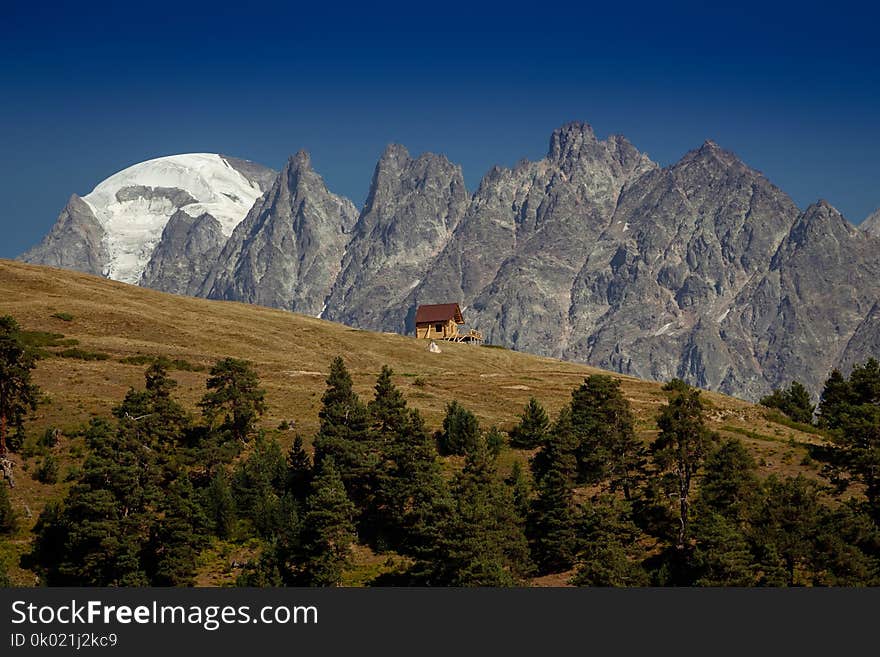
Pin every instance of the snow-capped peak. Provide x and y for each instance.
(134, 205)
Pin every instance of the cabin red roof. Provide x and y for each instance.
(439, 312)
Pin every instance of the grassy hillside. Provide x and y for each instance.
(104, 332)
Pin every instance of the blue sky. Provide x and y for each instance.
(90, 88)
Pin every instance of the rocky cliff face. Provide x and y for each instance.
(188, 249)
(286, 253)
(813, 310)
(702, 270)
(76, 241)
(871, 225)
(413, 207)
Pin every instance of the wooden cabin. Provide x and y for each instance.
(441, 321)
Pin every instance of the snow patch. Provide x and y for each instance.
(134, 227)
(723, 315)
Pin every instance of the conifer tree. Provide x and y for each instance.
(724, 506)
(722, 555)
(390, 422)
(461, 431)
(482, 543)
(219, 505)
(836, 397)
(8, 519)
(234, 398)
(608, 449)
(174, 544)
(611, 555)
(850, 409)
(258, 483)
(552, 523)
(795, 402)
(533, 426)
(784, 528)
(681, 447)
(17, 394)
(730, 485)
(107, 516)
(414, 491)
(388, 407)
(168, 420)
(559, 449)
(328, 529)
(345, 436)
(494, 442)
(299, 469)
(521, 490)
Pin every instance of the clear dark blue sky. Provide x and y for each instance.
(90, 88)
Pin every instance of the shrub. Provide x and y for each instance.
(82, 354)
(47, 473)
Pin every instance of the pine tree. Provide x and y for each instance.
(328, 529)
(730, 484)
(345, 436)
(258, 483)
(219, 505)
(865, 382)
(461, 431)
(8, 519)
(681, 447)
(552, 524)
(107, 516)
(559, 448)
(390, 421)
(837, 396)
(722, 555)
(234, 396)
(795, 402)
(723, 508)
(17, 394)
(521, 489)
(165, 420)
(533, 426)
(388, 407)
(608, 449)
(299, 469)
(850, 409)
(784, 530)
(482, 543)
(414, 491)
(171, 558)
(611, 555)
(494, 442)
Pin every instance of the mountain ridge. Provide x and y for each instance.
(593, 253)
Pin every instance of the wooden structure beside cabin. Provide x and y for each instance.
(441, 321)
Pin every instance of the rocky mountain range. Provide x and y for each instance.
(703, 269)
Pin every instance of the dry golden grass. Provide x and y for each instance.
(291, 353)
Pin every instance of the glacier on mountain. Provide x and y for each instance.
(134, 205)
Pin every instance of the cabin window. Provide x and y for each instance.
(438, 328)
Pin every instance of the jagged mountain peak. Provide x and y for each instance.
(300, 160)
(570, 138)
(822, 220)
(871, 225)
